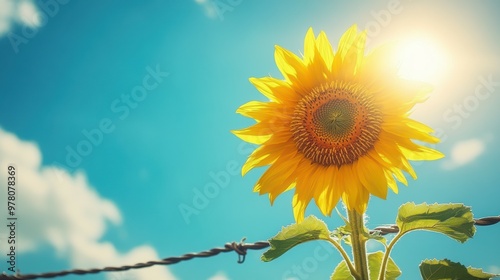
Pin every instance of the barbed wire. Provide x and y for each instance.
(240, 248)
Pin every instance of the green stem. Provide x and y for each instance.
(387, 254)
(358, 240)
(346, 257)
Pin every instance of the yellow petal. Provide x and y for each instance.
(353, 57)
(380, 65)
(274, 89)
(272, 181)
(372, 176)
(391, 183)
(327, 195)
(347, 41)
(325, 49)
(408, 128)
(304, 191)
(414, 151)
(258, 133)
(265, 155)
(289, 64)
(362, 202)
(388, 148)
(405, 93)
(388, 168)
(352, 185)
(309, 47)
(262, 111)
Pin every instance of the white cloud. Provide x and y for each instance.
(464, 152)
(219, 276)
(22, 12)
(64, 211)
(28, 14)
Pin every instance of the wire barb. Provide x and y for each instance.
(240, 248)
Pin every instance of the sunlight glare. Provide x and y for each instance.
(421, 60)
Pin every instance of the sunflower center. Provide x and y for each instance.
(336, 124)
(335, 118)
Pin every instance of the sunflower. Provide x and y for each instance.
(337, 126)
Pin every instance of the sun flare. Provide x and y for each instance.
(421, 60)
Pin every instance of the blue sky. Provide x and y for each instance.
(117, 116)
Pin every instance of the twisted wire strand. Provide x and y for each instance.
(240, 248)
(486, 221)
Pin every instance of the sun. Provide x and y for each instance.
(421, 60)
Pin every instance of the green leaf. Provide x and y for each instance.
(378, 237)
(392, 272)
(311, 228)
(454, 220)
(446, 269)
(342, 233)
(375, 261)
(341, 272)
